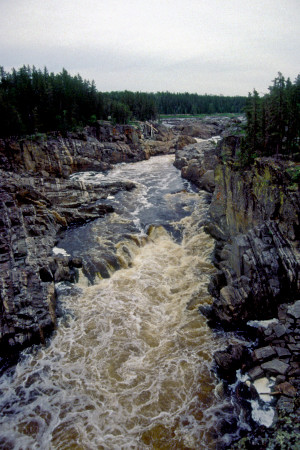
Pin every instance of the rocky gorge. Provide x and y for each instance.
(254, 218)
(38, 199)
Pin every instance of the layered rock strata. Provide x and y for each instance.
(255, 219)
(205, 127)
(95, 148)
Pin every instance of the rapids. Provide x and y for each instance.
(129, 365)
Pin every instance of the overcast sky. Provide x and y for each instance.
(206, 46)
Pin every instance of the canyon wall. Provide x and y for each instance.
(255, 220)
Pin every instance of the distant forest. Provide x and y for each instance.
(273, 121)
(33, 101)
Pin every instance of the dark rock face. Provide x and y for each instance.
(203, 128)
(229, 360)
(260, 268)
(198, 160)
(37, 200)
(277, 357)
(255, 219)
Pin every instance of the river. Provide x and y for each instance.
(129, 365)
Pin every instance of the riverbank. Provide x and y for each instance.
(255, 221)
(38, 200)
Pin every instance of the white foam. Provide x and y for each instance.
(262, 415)
(262, 323)
(59, 251)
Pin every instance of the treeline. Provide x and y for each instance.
(33, 101)
(273, 121)
(148, 106)
(185, 103)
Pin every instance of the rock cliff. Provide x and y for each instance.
(95, 148)
(255, 219)
(33, 210)
(197, 162)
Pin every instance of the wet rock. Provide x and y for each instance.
(294, 347)
(182, 141)
(282, 351)
(279, 330)
(38, 200)
(96, 148)
(203, 128)
(255, 373)
(255, 218)
(264, 260)
(229, 360)
(28, 229)
(76, 262)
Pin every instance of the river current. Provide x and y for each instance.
(129, 365)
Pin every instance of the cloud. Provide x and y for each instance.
(179, 45)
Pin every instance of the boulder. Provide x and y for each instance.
(294, 310)
(263, 353)
(229, 360)
(275, 366)
(197, 163)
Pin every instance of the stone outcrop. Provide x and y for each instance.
(197, 162)
(205, 127)
(38, 199)
(196, 158)
(255, 219)
(275, 362)
(95, 148)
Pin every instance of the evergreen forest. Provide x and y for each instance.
(273, 121)
(32, 100)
